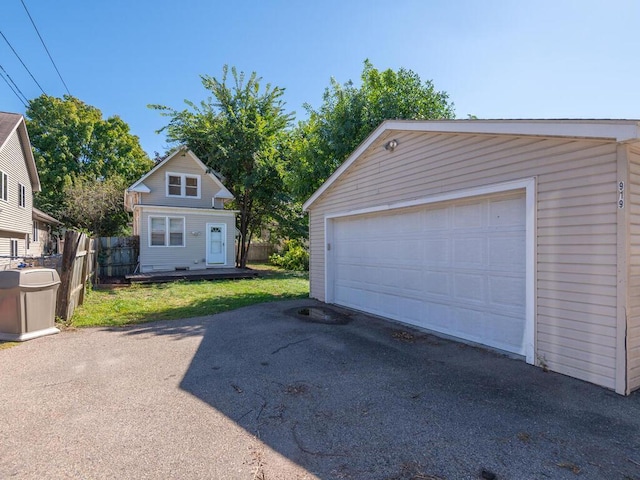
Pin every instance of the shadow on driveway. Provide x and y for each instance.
(371, 399)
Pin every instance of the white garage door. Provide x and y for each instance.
(456, 267)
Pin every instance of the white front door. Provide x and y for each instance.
(216, 243)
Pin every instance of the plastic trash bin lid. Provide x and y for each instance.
(38, 277)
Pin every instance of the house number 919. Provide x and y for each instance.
(620, 194)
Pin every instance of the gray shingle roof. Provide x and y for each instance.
(8, 122)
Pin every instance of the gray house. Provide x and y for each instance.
(520, 235)
(178, 212)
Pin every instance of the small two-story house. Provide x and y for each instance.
(18, 180)
(178, 213)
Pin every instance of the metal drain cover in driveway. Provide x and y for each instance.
(321, 315)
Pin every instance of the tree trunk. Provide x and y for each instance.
(245, 220)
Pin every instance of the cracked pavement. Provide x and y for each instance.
(261, 393)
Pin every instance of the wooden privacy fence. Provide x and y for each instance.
(78, 268)
(260, 252)
(118, 256)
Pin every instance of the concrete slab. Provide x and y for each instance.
(263, 393)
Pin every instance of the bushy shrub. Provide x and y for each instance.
(294, 256)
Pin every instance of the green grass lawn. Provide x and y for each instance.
(168, 301)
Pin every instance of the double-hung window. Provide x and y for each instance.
(183, 185)
(22, 195)
(14, 247)
(166, 231)
(4, 186)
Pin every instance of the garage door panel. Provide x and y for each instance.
(410, 280)
(413, 312)
(512, 329)
(469, 251)
(437, 251)
(507, 250)
(389, 305)
(468, 216)
(469, 287)
(436, 283)
(435, 219)
(436, 316)
(505, 213)
(410, 251)
(467, 323)
(507, 291)
(456, 268)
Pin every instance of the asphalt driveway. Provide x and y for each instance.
(263, 393)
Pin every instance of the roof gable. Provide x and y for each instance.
(139, 186)
(13, 122)
(614, 130)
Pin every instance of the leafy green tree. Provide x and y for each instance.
(70, 139)
(239, 133)
(348, 115)
(96, 206)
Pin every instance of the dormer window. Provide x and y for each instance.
(175, 186)
(191, 187)
(183, 185)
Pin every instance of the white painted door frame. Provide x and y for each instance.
(528, 184)
(221, 257)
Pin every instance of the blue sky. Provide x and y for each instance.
(496, 59)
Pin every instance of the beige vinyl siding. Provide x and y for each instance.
(37, 248)
(5, 251)
(193, 254)
(182, 164)
(633, 314)
(576, 225)
(14, 218)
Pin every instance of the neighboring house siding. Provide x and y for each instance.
(633, 313)
(193, 254)
(182, 164)
(38, 247)
(576, 225)
(14, 218)
(5, 249)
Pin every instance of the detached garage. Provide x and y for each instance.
(520, 235)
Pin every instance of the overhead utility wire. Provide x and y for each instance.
(14, 84)
(16, 53)
(45, 47)
(11, 87)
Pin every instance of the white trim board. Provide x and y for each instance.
(184, 210)
(529, 186)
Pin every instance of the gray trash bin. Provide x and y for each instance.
(28, 303)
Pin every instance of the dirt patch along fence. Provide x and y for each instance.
(78, 269)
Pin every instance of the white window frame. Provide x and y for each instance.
(4, 186)
(183, 185)
(14, 247)
(167, 232)
(36, 232)
(22, 195)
